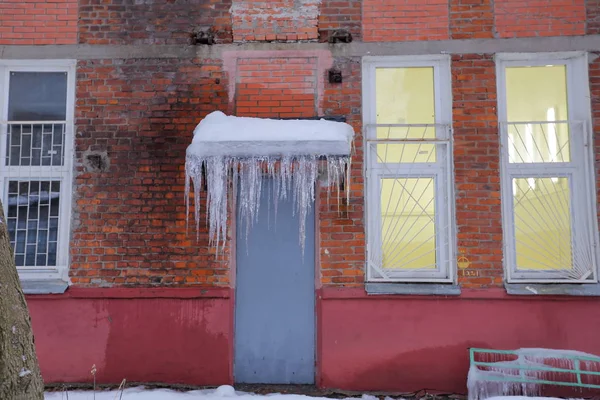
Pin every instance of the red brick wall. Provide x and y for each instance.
(38, 22)
(142, 113)
(476, 169)
(282, 20)
(471, 19)
(340, 14)
(399, 20)
(341, 228)
(151, 21)
(594, 71)
(518, 18)
(130, 220)
(592, 17)
(276, 87)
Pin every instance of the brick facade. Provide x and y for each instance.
(38, 23)
(592, 17)
(147, 290)
(516, 18)
(141, 110)
(283, 20)
(146, 109)
(342, 228)
(594, 71)
(392, 20)
(276, 87)
(336, 14)
(476, 169)
(471, 19)
(152, 22)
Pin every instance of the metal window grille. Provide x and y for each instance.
(408, 183)
(35, 164)
(547, 208)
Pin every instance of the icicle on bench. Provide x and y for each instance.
(525, 371)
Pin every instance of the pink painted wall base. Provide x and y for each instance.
(142, 335)
(411, 343)
(383, 343)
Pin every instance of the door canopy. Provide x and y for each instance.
(292, 153)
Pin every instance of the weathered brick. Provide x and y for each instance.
(471, 19)
(592, 17)
(341, 226)
(38, 22)
(336, 14)
(152, 21)
(476, 168)
(136, 235)
(281, 20)
(517, 18)
(398, 20)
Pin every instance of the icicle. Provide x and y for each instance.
(291, 177)
(216, 176)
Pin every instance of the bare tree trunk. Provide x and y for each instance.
(20, 377)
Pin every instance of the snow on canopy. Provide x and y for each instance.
(222, 135)
(246, 150)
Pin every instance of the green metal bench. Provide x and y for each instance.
(524, 372)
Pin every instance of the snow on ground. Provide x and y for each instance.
(139, 393)
(525, 398)
(221, 393)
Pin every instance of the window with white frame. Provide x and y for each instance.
(408, 151)
(549, 217)
(36, 134)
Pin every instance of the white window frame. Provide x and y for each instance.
(579, 170)
(62, 173)
(441, 171)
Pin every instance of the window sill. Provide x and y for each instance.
(49, 286)
(553, 289)
(431, 289)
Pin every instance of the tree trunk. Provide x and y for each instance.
(20, 377)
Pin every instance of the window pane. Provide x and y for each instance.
(35, 144)
(542, 218)
(538, 143)
(33, 210)
(531, 92)
(37, 96)
(405, 95)
(408, 223)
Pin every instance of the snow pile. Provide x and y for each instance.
(499, 379)
(139, 393)
(228, 149)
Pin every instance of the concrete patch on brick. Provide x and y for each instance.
(286, 20)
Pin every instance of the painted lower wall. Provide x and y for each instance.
(402, 343)
(413, 343)
(142, 335)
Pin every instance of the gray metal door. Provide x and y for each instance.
(275, 299)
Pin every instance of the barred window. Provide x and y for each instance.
(548, 202)
(35, 157)
(408, 159)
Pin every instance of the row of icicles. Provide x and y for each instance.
(294, 177)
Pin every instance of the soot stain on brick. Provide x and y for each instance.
(96, 161)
